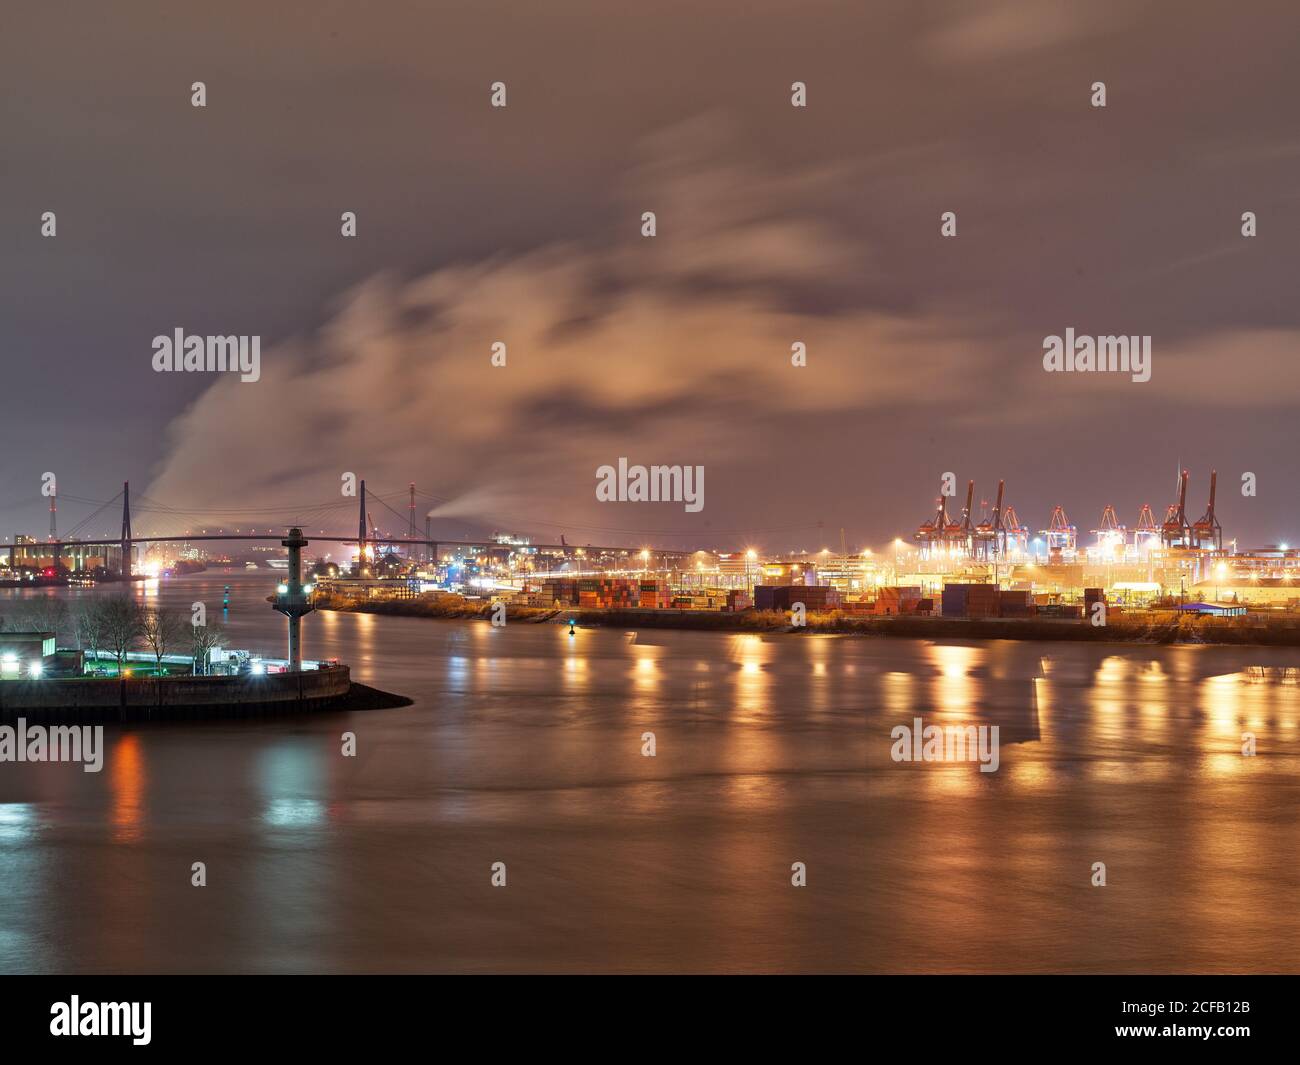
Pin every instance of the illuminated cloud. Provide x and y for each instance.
(673, 349)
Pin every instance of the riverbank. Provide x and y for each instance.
(1154, 627)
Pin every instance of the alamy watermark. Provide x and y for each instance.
(1111, 354)
(656, 484)
(75, 1017)
(946, 743)
(192, 353)
(53, 743)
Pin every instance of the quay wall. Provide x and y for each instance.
(125, 698)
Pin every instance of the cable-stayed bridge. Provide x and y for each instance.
(159, 523)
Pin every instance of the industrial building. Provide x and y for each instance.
(26, 653)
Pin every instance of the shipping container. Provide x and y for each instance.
(970, 600)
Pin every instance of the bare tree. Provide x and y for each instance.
(20, 619)
(47, 613)
(202, 640)
(122, 626)
(161, 628)
(90, 625)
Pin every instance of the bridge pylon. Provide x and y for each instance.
(126, 530)
(362, 568)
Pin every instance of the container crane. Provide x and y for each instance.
(1207, 533)
(1175, 531)
(1061, 536)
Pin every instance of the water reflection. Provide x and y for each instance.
(525, 745)
(954, 690)
(289, 777)
(753, 683)
(17, 822)
(294, 813)
(127, 776)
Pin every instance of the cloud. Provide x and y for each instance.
(1006, 28)
(672, 349)
(668, 349)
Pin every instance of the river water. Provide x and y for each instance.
(524, 747)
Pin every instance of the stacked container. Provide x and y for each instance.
(654, 594)
(970, 600)
(815, 597)
(894, 601)
(609, 593)
(738, 600)
(1016, 604)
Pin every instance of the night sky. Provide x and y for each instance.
(775, 224)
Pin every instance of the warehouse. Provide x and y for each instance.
(25, 653)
